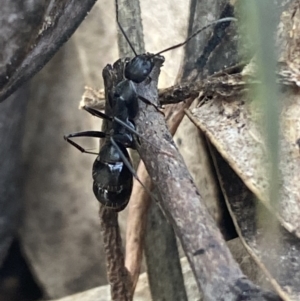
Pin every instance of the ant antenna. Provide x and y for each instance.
(122, 30)
(195, 33)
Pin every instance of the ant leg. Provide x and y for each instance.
(94, 134)
(148, 80)
(133, 131)
(148, 102)
(131, 169)
(97, 113)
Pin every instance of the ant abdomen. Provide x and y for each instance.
(116, 200)
(112, 180)
(139, 68)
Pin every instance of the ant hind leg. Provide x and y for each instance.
(94, 134)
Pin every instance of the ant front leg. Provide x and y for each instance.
(94, 134)
(148, 80)
(148, 102)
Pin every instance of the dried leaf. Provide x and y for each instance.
(231, 126)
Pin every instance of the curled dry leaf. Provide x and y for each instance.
(288, 42)
(39, 30)
(229, 120)
(92, 98)
(231, 127)
(275, 250)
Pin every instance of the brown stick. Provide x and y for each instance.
(139, 203)
(215, 270)
(136, 225)
(117, 274)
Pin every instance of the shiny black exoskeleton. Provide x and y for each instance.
(112, 179)
(112, 169)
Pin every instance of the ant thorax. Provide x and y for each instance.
(125, 100)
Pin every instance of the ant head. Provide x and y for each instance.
(139, 68)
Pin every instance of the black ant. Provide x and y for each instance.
(112, 169)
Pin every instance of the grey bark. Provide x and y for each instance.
(31, 33)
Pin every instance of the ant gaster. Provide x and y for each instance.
(112, 169)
